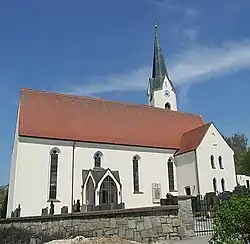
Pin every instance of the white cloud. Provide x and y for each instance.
(192, 12)
(191, 33)
(188, 67)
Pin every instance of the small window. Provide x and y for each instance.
(220, 162)
(215, 185)
(212, 161)
(223, 185)
(98, 159)
(167, 106)
(188, 190)
(247, 184)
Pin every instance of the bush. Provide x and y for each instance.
(232, 221)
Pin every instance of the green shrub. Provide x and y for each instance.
(232, 221)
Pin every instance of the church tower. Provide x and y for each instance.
(161, 91)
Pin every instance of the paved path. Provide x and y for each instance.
(200, 240)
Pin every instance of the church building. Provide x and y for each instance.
(110, 155)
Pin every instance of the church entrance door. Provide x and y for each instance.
(108, 192)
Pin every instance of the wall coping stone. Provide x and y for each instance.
(184, 197)
(169, 209)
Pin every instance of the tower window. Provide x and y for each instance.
(212, 161)
(167, 106)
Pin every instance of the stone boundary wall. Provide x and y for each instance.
(140, 224)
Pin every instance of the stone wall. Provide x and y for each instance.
(141, 224)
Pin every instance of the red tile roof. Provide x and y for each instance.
(77, 118)
(192, 139)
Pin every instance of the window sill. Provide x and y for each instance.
(53, 200)
(138, 192)
(173, 191)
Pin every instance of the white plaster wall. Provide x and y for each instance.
(33, 165)
(214, 144)
(12, 178)
(32, 176)
(159, 99)
(242, 179)
(152, 169)
(186, 173)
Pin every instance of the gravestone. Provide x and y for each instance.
(45, 211)
(64, 210)
(78, 206)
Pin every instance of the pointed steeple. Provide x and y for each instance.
(159, 71)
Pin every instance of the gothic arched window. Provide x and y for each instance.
(171, 175)
(215, 185)
(223, 184)
(220, 162)
(98, 159)
(53, 173)
(136, 173)
(212, 161)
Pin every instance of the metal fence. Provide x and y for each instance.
(202, 216)
(204, 211)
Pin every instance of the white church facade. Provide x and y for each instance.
(101, 153)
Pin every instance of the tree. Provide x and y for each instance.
(238, 143)
(246, 162)
(3, 194)
(231, 223)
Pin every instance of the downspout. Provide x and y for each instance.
(197, 172)
(72, 176)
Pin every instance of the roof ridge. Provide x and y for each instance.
(209, 123)
(108, 101)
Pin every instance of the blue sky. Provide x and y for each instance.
(104, 49)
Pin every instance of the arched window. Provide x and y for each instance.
(98, 159)
(171, 174)
(214, 185)
(53, 173)
(223, 184)
(167, 106)
(108, 191)
(136, 173)
(188, 190)
(212, 161)
(220, 162)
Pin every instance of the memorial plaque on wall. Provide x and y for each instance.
(156, 192)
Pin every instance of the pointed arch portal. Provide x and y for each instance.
(108, 191)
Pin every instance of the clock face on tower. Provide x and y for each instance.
(167, 93)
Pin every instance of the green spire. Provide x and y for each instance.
(159, 71)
